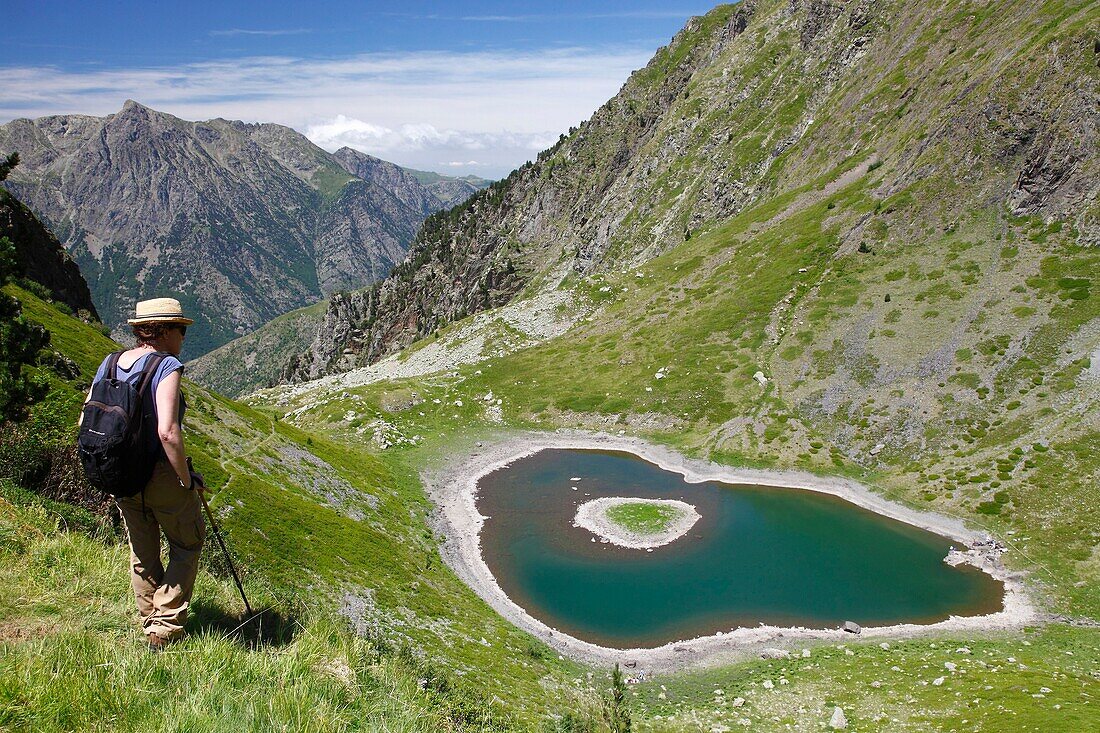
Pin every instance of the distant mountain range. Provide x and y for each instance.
(241, 222)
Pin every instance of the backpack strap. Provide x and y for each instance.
(151, 365)
(111, 372)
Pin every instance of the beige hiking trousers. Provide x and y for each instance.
(164, 594)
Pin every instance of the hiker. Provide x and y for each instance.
(169, 502)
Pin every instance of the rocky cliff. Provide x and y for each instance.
(958, 108)
(241, 222)
(41, 257)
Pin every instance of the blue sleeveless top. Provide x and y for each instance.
(131, 374)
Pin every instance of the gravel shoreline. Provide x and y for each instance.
(592, 515)
(453, 489)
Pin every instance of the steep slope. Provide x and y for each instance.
(959, 108)
(905, 292)
(950, 364)
(241, 222)
(41, 257)
(326, 531)
(258, 358)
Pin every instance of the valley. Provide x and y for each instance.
(826, 269)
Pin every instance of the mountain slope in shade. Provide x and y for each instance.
(258, 358)
(41, 257)
(241, 222)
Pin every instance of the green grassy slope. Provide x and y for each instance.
(975, 375)
(910, 330)
(285, 513)
(962, 110)
(74, 660)
(256, 359)
(319, 525)
(912, 333)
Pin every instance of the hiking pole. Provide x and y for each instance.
(221, 543)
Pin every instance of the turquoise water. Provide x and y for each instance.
(757, 555)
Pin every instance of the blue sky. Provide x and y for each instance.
(460, 87)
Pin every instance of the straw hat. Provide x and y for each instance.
(159, 310)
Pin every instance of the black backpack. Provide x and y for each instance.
(113, 442)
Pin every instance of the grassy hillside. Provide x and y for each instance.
(287, 521)
(74, 660)
(971, 390)
(256, 359)
(902, 269)
(970, 360)
(325, 530)
(909, 326)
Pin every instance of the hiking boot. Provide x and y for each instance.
(157, 643)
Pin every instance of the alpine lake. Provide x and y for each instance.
(777, 556)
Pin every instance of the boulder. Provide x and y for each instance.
(838, 721)
(852, 627)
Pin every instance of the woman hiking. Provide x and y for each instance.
(169, 502)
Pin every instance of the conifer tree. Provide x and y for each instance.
(615, 712)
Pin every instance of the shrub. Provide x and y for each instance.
(20, 342)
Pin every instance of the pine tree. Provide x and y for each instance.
(615, 712)
(7, 164)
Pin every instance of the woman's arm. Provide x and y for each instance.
(171, 437)
(80, 417)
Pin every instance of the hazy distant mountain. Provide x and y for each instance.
(241, 222)
(451, 191)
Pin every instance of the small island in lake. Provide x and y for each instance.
(640, 524)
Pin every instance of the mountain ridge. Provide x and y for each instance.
(240, 221)
(717, 127)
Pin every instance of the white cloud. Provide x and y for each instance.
(253, 32)
(417, 107)
(535, 17)
(355, 133)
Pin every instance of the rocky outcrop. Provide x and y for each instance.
(572, 200)
(41, 257)
(241, 222)
(336, 338)
(387, 176)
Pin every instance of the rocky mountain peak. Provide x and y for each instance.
(241, 222)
